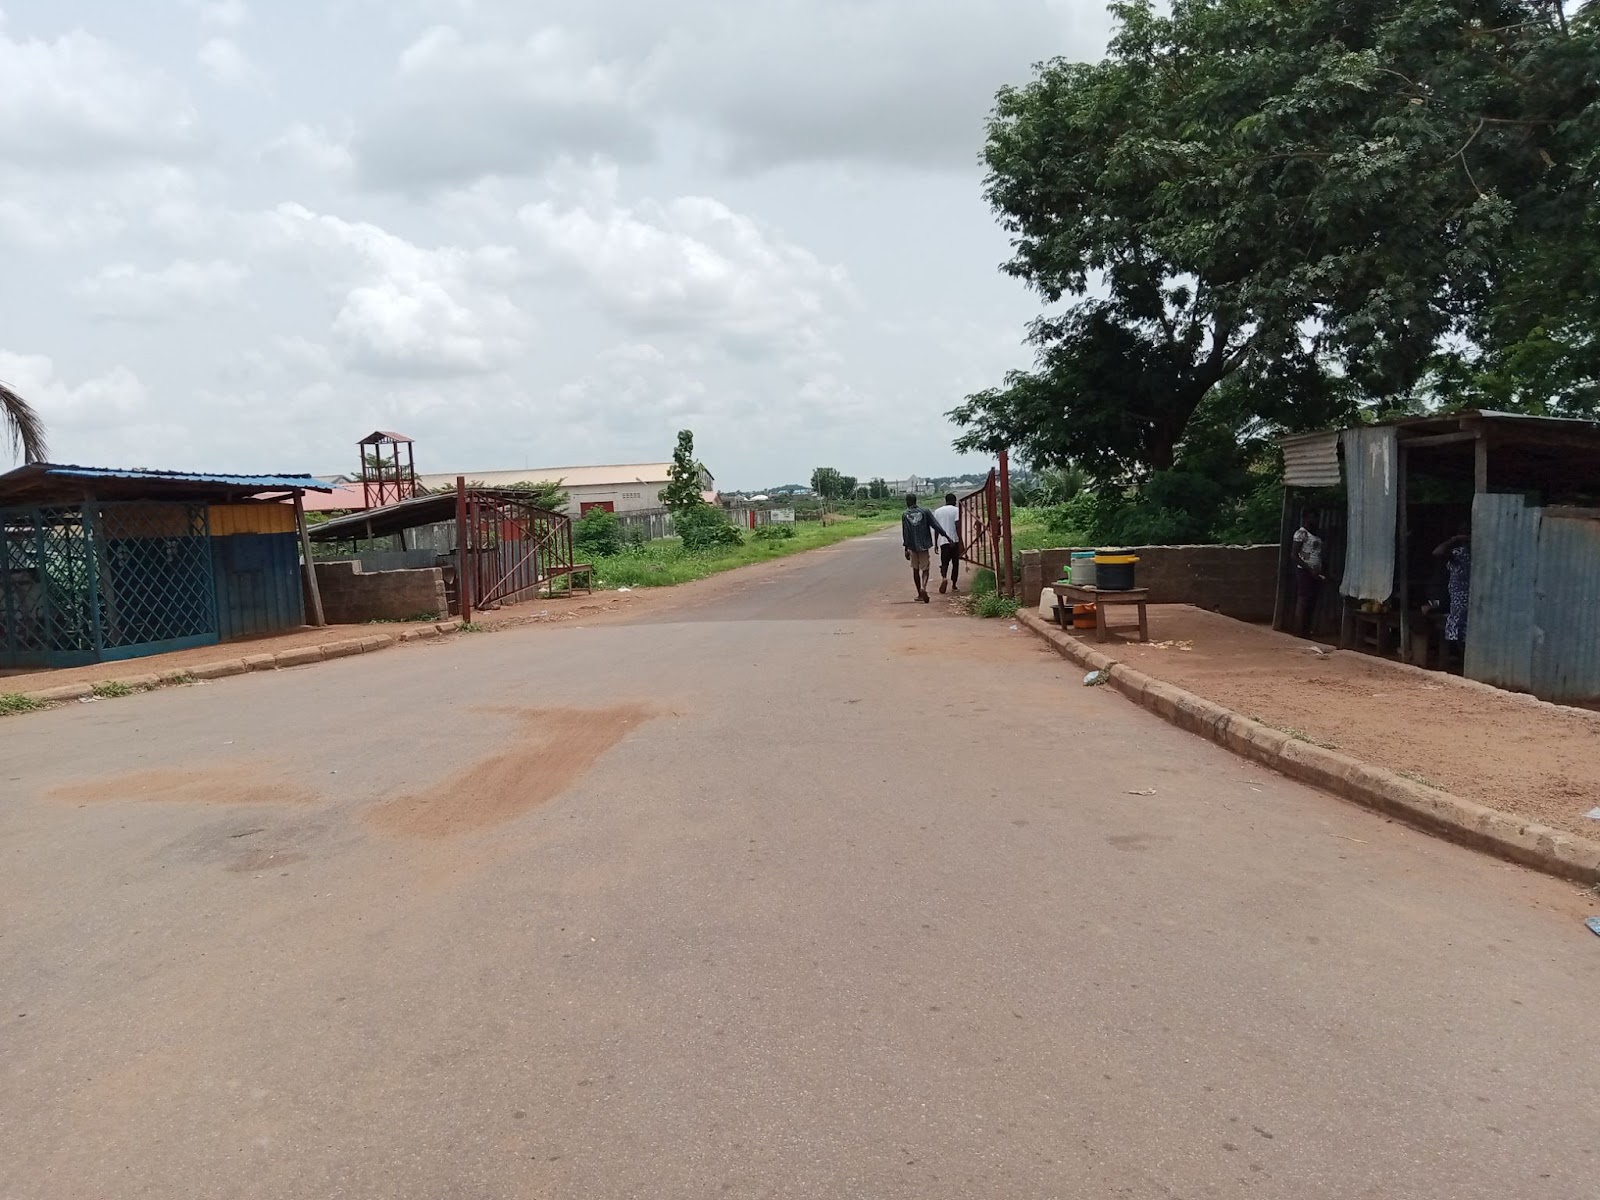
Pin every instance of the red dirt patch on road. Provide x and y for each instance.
(551, 749)
(235, 784)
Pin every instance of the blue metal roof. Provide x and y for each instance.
(264, 482)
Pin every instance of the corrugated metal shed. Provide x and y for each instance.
(1311, 460)
(1372, 500)
(1500, 606)
(1532, 624)
(1566, 646)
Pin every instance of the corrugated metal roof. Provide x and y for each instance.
(618, 475)
(69, 483)
(266, 483)
(343, 496)
(1311, 460)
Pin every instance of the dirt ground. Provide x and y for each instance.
(1504, 750)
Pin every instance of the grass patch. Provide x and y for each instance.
(991, 607)
(12, 703)
(113, 689)
(665, 563)
(418, 619)
(472, 627)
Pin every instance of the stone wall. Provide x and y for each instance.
(1237, 581)
(351, 596)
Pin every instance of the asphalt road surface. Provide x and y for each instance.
(783, 887)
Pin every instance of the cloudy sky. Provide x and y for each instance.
(239, 234)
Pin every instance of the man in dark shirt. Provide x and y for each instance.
(918, 531)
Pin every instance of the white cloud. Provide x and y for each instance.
(465, 108)
(228, 65)
(406, 309)
(92, 421)
(691, 263)
(126, 292)
(78, 101)
(221, 14)
(309, 148)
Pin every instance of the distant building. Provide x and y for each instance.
(619, 488)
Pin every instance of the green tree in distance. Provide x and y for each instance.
(684, 488)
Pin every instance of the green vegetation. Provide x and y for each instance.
(773, 533)
(12, 703)
(113, 689)
(667, 562)
(1254, 218)
(597, 533)
(685, 477)
(991, 607)
(703, 527)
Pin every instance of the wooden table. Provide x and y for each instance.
(1068, 594)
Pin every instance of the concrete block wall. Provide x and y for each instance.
(1237, 581)
(351, 596)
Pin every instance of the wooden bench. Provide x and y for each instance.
(1068, 594)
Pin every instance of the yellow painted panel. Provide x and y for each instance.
(229, 519)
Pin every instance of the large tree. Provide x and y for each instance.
(1300, 200)
(24, 429)
(685, 488)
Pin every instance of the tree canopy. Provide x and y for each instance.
(685, 477)
(1263, 214)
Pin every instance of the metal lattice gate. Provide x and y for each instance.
(97, 581)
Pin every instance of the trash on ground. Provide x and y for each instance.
(1013, 629)
(1345, 838)
(88, 699)
(1172, 645)
(624, 589)
(1142, 792)
(1593, 814)
(1096, 678)
(1594, 925)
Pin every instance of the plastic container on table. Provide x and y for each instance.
(1114, 570)
(1081, 571)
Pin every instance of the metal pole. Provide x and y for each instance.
(994, 525)
(1005, 523)
(91, 543)
(463, 585)
(313, 590)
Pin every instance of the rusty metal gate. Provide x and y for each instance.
(986, 527)
(510, 549)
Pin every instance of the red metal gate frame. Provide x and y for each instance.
(508, 548)
(986, 527)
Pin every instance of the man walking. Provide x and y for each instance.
(948, 519)
(917, 531)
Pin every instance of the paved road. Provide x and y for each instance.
(799, 890)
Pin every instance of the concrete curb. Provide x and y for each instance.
(1430, 809)
(299, 656)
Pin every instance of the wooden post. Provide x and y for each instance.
(1283, 600)
(1480, 464)
(1005, 524)
(313, 591)
(463, 585)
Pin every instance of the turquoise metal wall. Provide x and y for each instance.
(258, 583)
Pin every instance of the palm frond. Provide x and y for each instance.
(24, 429)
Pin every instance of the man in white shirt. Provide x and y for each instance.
(1308, 576)
(948, 521)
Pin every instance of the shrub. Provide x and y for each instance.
(983, 583)
(705, 528)
(773, 533)
(597, 534)
(16, 702)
